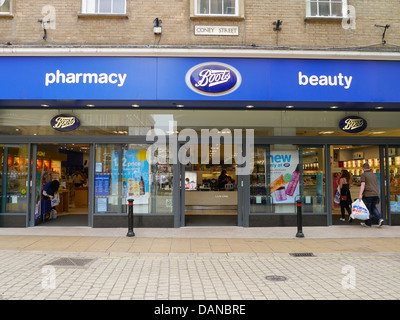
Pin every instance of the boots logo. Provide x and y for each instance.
(213, 79)
(353, 124)
(64, 123)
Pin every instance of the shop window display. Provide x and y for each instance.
(13, 178)
(281, 176)
(394, 178)
(125, 172)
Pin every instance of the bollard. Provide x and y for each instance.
(130, 219)
(299, 233)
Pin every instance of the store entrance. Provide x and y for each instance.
(350, 158)
(69, 165)
(211, 190)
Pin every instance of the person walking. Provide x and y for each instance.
(345, 196)
(369, 193)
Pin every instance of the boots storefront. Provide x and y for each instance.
(194, 140)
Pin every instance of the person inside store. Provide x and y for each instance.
(223, 179)
(369, 194)
(345, 196)
(77, 179)
(49, 191)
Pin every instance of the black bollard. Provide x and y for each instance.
(130, 219)
(299, 233)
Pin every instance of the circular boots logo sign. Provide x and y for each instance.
(353, 124)
(213, 79)
(64, 123)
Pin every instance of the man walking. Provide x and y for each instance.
(369, 193)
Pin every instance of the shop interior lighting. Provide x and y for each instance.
(379, 107)
(45, 105)
(135, 106)
(179, 105)
(289, 107)
(249, 107)
(334, 107)
(90, 105)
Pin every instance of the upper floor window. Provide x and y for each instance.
(5, 6)
(217, 7)
(326, 8)
(103, 6)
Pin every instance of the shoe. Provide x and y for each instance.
(380, 223)
(342, 219)
(365, 225)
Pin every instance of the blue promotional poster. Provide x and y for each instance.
(285, 176)
(135, 175)
(114, 171)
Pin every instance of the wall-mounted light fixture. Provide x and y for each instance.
(277, 28)
(157, 29)
(384, 31)
(277, 25)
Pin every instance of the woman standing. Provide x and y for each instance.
(345, 196)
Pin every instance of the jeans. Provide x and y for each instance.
(347, 207)
(371, 203)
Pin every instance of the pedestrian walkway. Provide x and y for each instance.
(339, 263)
(332, 239)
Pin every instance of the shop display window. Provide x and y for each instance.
(394, 179)
(13, 178)
(284, 174)
(125, 172)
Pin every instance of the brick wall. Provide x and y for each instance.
(135, 28)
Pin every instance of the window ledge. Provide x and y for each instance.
(103, 15)
(324, 18)
(6, 16)
(216, 17)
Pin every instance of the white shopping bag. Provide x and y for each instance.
(359, 210)
(337, 196)
(56, 200)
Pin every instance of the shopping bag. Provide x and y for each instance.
(359, 210)
(337, 196)
(53, 214)
(37, 210)
(56, 200)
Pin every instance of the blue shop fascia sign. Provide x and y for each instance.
(161, 79)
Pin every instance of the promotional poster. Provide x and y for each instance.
(285, 174)
(135, 175)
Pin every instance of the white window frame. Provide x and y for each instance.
(330, 16)
(196, 13)
(2, 3)
(96, 10)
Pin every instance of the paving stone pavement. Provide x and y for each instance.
(361, 268)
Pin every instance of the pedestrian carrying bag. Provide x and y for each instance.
(359, 210)
(337, 196)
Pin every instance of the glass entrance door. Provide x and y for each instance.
(68, 165)
(348, 160)
(211, 187)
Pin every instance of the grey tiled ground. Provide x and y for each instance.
(199, 276)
